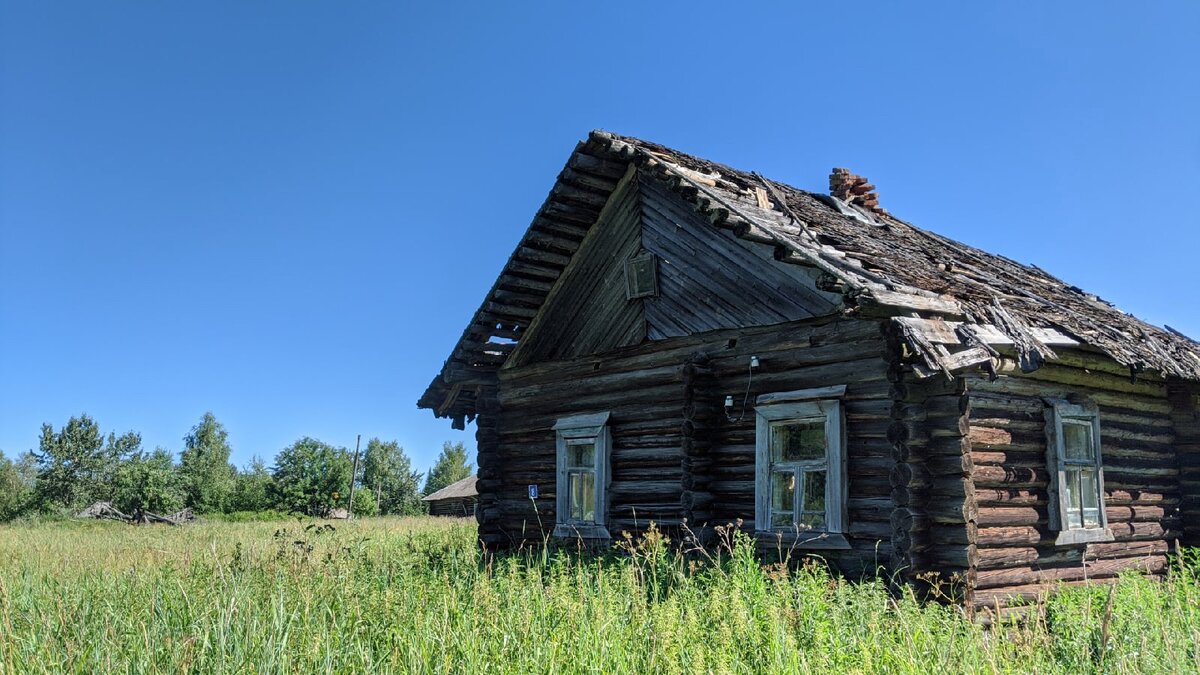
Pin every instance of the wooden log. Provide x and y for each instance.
(902, 496)
(1009, 496)
(950, 511)
(1010, 477)
(955, 487)
(940, 534)
(869, 530)
(945, 465)
(907, 519)
(1012, 579)
(1141, 531)
(950, 447)
(910, 475)
(1134, 513)
(1008, 516)
(1017, 386)
(1007, 536)
(948, 556)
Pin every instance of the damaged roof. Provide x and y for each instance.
(951, 302)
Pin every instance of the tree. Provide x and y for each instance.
(204, 464)
(308, 473)
(252, 487)
(27, 467)
(15, 489)
(387, 472)
(75, 464)
(451, 466)
(365, 503)
(148, 482)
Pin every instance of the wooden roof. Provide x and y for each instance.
(951, 301)
(463, 489)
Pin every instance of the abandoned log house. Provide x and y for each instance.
(456, 499)
(681, 342)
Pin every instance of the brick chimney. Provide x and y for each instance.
(854, 189)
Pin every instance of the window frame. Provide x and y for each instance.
(577, 430)
(1059, 411)
(806, 404)
(631, 289)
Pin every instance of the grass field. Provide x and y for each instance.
(411, 595)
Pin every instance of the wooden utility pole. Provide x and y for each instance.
(353, 477)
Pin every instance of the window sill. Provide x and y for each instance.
(809, 541)
(1074, 537)
(585, 532)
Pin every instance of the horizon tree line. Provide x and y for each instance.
(77, 465)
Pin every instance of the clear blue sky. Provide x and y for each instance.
(286, 212)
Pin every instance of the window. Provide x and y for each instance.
(800, 468)
(581, 497)
(641, 276)
(1076, 473)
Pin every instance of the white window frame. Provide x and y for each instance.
(591, 428)
(770, 409)
(1058, 411)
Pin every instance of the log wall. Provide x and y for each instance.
(1185, 415)
(488, 510)
(1016, 553)
(934, 523)
(700, 416)
(643, 389)
(850, 353)
(675, 454)
(461, 507)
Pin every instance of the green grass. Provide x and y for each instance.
(412, 595)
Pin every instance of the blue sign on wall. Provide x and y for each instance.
(533, 492)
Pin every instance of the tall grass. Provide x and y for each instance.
(415, 595)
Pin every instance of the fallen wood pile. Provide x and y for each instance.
(106, 511)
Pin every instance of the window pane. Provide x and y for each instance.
(582, 455)
(798, 441)
(779, 519)
(1090, 498)
(588, 480)
(581, 496)
(644, 273)
(783, 493)
(573, 506)
(812, 521)
(1077, 440)
(814, 492)
(1074, 515)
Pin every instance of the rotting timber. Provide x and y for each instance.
(947, 353)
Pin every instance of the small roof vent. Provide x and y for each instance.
(854, 190)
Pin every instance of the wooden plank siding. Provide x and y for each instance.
(1017, 558)
(710, 279)
(587, 311)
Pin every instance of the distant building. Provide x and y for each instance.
(456, 499)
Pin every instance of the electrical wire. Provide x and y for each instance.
(745, 398)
